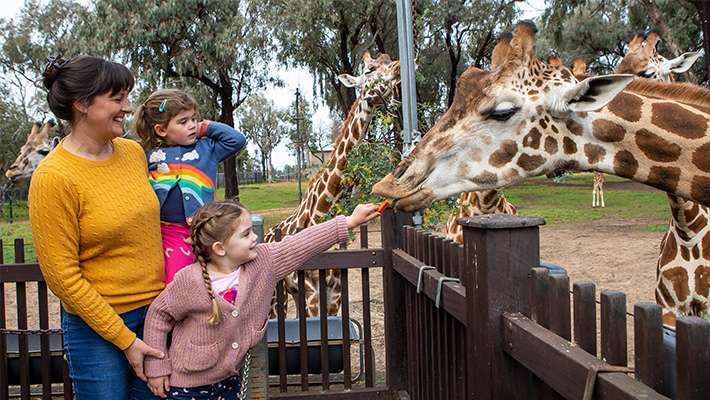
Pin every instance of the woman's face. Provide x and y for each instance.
(103, 118)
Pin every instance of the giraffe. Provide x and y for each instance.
(37, 146)
(378, 84)
(488, 201)
(682, 275)
(526, 119)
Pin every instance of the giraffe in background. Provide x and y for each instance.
(682, 271)
(378, 86)
(35, 149)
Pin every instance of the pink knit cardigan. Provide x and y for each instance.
(203, 354)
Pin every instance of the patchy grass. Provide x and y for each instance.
(571, 202)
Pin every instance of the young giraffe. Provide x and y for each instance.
(579, 68)
(682, 275)
(527, 119)
(35, 149)
(487, 201)
(378, 84)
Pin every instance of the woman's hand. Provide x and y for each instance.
(159, 386)
(136, 352)
(361, 214)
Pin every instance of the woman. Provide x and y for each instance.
(96, 230)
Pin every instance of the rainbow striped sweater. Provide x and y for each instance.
(193, 168)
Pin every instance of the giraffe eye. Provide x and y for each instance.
(503, 115)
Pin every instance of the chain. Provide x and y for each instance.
(50, 331)
(245, 376)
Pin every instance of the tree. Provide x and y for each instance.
(299, 125)
(329, 37)
(216, 45)
(260, 123)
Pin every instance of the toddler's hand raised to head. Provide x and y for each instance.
(361, 214)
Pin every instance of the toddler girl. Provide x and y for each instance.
(218, 307)
(183, 156)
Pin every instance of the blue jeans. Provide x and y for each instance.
(227, 389)
(99, 369)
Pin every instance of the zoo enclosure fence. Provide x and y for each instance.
(478, 320)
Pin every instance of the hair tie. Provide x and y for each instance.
(57, 61)
(162, 105)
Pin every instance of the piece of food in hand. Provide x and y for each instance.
(383, 206)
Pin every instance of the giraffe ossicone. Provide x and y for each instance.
(526, 119)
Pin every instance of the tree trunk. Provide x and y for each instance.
(703, 7)
(667, 35)
(231, 182)
(270, 168)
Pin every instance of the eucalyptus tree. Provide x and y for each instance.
(452, 35)
(218, 45)
(329, 37)
(298, 123)
(260, 122)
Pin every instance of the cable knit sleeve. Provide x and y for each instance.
(294, 251)
(54, 212)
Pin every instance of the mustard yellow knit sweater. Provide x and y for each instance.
(96, 231)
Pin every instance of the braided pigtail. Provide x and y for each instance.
(213, 222)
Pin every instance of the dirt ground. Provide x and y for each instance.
(613, 254)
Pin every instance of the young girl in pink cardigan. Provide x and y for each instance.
(218, 307)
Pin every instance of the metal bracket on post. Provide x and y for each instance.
(438, 287)
(419, 280)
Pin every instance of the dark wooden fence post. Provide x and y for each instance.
(499, 251)
(393, 288)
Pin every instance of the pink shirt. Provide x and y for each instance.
(227, 285)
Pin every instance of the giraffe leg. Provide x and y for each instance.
(601, 196)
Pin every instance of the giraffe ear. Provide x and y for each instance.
(351, 81)
(683, 62)
(595, 92)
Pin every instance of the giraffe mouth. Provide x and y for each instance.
(416, 199)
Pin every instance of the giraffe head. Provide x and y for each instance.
(504, 125)
(644, 61)
(36, 148)
(378, 82)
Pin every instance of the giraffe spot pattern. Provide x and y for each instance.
(530, 163)
(625, 164)
(574, 127)
(511, 175)
(669, 249)
(594, 153)
(698, 223)
(678, 120)
(550, 145)
(608, 131)
(700, 158)
(532, 139)
(508, 149)
(702, 281)
(656, 148)
(485, 178)
(666, 178)
(569, 146)
(706, 247)
(678, 276)
(626, 106)
(700, 189)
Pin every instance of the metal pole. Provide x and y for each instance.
(410, 133)
(298, 146)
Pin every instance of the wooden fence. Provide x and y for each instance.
(478, 320)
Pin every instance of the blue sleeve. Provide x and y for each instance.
(227, 140)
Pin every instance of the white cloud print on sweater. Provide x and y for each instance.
(156, 156)
(163, 168)
(193, 155)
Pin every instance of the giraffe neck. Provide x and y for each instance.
(327, 187)
(662, 143)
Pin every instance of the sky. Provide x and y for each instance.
(292, 78)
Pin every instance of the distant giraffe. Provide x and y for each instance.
(378, 86)
(683, 274)
(35, 149)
